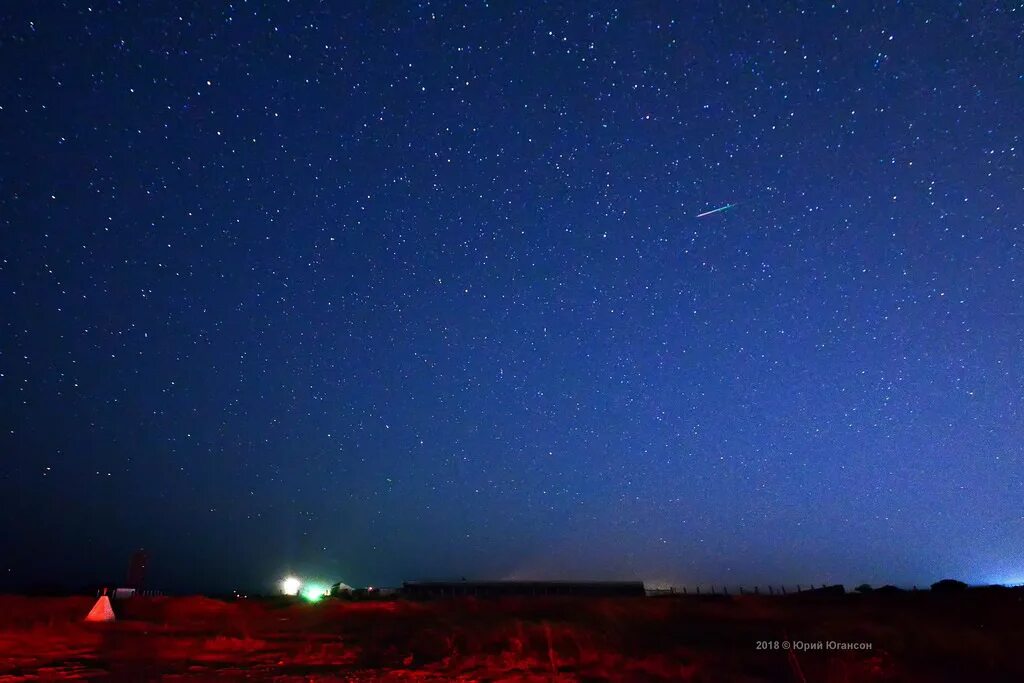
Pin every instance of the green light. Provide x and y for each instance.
(315, 592)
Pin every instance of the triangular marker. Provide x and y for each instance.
(101, 611)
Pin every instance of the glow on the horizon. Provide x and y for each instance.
(1011, 581)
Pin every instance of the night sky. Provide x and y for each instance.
(386, 291)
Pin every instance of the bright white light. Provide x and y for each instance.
(291, 586)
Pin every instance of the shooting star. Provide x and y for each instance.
(721, 208)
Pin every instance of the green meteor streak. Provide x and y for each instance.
(721, 208)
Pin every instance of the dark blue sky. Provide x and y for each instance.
(378, 293)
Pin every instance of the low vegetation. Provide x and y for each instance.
(920, 636)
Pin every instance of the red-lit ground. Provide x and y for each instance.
(976, 636)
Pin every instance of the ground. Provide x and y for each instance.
(972, 636)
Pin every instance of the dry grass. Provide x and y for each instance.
(916, 637)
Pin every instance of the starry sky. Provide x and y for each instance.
(386, 291)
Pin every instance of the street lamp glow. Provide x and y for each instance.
(291, 586)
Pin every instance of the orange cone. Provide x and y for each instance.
(101, 611)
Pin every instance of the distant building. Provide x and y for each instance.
(496, 589)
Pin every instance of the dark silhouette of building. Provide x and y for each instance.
(495, 589)
(137, 569)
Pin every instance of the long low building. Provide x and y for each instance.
(494, 589)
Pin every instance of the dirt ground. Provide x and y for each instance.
(974, 636)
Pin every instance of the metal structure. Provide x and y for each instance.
(137, 570)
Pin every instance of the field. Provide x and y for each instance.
(920, 636)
